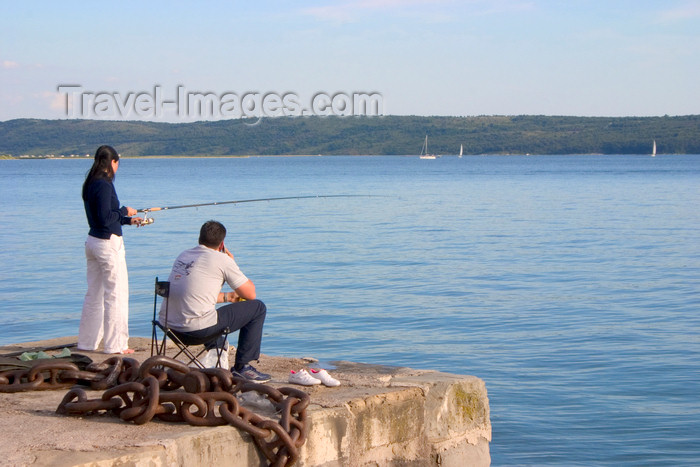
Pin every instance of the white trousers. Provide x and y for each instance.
(106, 306)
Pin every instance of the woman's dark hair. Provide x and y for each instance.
(101, 167)
(212, 234)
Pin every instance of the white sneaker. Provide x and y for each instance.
(324, 377)
(302, 377)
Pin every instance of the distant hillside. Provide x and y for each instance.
(383, 135)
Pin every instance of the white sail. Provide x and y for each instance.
(653, 149)
(424, 151)
(461, 150)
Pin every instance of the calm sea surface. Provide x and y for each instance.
(571, 285)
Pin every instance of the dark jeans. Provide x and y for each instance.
(248, 318)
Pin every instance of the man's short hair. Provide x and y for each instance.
(212, 234)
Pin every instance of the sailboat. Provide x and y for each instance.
(461, 150)
(424, 151)
(653, 149)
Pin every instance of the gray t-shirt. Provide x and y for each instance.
(195, 282)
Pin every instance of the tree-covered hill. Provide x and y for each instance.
(382, 135)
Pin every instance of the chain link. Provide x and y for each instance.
(169, 390)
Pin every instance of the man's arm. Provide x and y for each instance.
(246, 291)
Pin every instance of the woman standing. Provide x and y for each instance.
(106, 306)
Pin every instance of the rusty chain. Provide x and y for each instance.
(168, 389)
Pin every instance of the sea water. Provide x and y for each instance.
(569, 284)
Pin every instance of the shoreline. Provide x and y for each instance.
(248, 156)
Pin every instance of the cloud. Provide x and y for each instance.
(56, 101)
(350, 10)
(686, 11)
(495, 7)
(428, 10)
(9, 64)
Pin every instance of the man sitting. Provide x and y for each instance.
(196, 280)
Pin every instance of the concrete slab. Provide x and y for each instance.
(379, 416)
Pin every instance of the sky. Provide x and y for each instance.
(140, 60)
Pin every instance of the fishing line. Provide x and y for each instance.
(149, 220)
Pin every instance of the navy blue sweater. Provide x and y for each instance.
(104, 215)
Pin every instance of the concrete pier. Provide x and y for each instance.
(379, 416)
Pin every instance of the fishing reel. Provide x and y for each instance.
(146, 220)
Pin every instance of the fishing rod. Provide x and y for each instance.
(149, 220)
